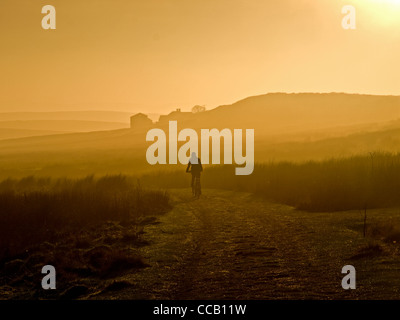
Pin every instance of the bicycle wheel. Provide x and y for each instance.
(194, 188)
(197, 192)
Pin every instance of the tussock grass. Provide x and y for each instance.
(88, 228)
(388, 231)
(338, 184)
(369, 251)
(36, 210)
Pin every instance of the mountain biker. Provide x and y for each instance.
(194, 167)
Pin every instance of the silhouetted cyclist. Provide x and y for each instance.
(195, 168)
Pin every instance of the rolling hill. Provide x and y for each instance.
(12, 133)
(102, 116)
(63, 125)
(293, 127)
(279, 113)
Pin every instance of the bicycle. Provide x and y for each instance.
(196, 188)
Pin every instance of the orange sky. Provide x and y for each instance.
(157, 55)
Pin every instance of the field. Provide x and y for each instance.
(359, 182)
(87, 228)
(108, 237)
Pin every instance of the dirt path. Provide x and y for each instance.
(230, 245)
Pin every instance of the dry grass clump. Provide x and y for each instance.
(33, 210)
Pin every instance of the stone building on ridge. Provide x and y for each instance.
(140, 121)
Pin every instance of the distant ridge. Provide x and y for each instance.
(276, 113)
(11, 133)
(63, 125)
(270, 115)
(103, 116)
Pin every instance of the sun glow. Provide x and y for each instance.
(390, 1)
(382, 12)
(381, 2)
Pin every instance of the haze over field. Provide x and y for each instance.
(290, 127)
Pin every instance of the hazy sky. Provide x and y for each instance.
(157, 55)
